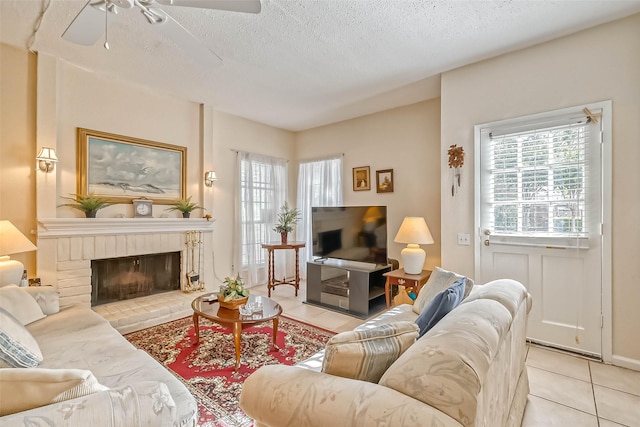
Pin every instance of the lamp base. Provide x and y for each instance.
(10, 271)
(413, 257)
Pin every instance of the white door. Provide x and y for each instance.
(539, 217)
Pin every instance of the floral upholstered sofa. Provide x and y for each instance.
(81, 372)
(467, 370)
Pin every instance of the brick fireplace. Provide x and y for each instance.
(66, 247)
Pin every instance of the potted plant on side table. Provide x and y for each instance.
(89, 204)
(186, 206)
(287, 218)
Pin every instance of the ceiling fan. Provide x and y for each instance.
(91, 23)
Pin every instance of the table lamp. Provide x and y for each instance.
(12, 241)
(414, 232)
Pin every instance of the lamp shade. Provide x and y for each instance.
(209, 178)
(48, 154)
(12, 241)
(414, 230)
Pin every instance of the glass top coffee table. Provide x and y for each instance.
(232, 319)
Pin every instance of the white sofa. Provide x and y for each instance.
(138, 390)
(467, 371)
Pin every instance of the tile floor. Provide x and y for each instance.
(565, 391)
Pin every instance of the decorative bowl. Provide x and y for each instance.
(232, 304)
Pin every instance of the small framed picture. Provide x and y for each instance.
(361, 179)
(384, 181)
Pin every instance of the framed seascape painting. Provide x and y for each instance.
(361, 179)
(122, 168)
(384, 181)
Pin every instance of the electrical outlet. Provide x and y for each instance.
(464, 239)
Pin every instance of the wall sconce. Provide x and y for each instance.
(47, 159)
(209, 178)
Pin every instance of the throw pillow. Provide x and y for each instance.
(366, 354)
(18, 348)
(24, 389)
(20, 304)
(439, 280)
(46, 297)
(442, 304)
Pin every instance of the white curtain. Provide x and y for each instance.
(261, 190)
(319, 184)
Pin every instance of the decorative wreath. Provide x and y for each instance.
(456, 156)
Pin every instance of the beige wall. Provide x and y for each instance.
(405, 139)
(17, 145)
(92, 101)
(594, 65)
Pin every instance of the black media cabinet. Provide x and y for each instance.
(355, 288)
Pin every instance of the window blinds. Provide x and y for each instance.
(538, 178)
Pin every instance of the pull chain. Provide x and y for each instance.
(106, 26)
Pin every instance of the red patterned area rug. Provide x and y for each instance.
(208, 369)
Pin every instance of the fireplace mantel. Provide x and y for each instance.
(51, 228)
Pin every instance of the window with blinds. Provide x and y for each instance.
(536, 178)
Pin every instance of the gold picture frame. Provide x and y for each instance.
(361, 178)
(122, 168)
(384, 181)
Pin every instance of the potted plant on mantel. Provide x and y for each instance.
(89, 204)
(186, 206)
(287, 218)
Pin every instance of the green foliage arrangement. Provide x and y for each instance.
(287, 218)
(233, 289)
(184, 205)
(87, 204)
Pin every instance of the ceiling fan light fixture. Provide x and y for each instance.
(86, 27)
(154, 15)
(125, 4)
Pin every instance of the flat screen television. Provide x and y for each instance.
(353, 233)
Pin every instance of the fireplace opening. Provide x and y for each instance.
(123, 278)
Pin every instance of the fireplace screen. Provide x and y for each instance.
(117, 279)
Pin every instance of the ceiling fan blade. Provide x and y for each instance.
(246, 6)
(88, 26)
(188, 42)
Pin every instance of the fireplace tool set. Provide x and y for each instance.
(194, 262)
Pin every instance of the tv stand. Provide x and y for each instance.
(355, 288)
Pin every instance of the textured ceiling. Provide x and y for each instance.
(304, 63)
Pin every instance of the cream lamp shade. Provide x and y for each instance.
(414, 232)
(209, 178)
(12, 241)
(47, 159)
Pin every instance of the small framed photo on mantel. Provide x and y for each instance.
(384, 181)
(361, 179)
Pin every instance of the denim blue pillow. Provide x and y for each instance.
(439, 306)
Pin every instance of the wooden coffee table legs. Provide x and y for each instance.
(196, 327)
(237, 332)
(237, 335)
(275, 333)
